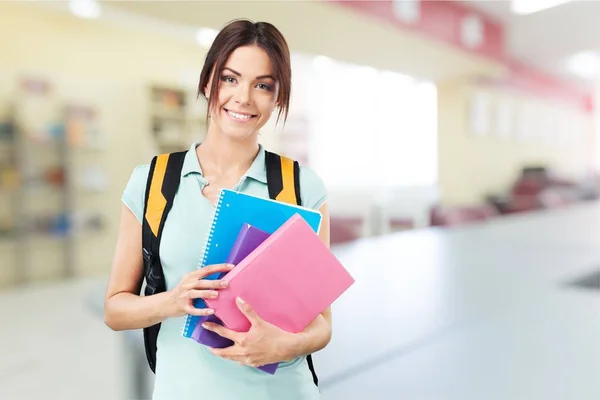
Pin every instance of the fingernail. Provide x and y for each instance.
(205, 325)
(224, 283)
(214, 294)
(210, 311)
(239, 299)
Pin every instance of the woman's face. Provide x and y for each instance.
(247, 93)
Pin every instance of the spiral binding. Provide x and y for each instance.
(191, 320)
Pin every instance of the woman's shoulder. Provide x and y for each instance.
(135, 189)
(312, 188)
(138, 177)
(140, 171)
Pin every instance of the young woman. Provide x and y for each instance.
(246, 77)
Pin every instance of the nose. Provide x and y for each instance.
(242, 95)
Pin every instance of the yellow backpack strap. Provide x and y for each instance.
(155, 200)
(162, 184)
(283, 178)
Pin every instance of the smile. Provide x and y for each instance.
(239, 116)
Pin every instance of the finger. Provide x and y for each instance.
(238, 357)
(208, 270)
(248, 311)
(220, 330)
(209, 284)
(201, 312)
(225, 352)
(231, 353)
(202, 294)
(213, 269)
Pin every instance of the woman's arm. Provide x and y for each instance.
(315, 337)
(125, 309)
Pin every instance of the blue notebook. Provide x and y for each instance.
(232, 211)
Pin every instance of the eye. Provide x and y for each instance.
(264, 86)
(228, 79)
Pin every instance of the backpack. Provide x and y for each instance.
(283, 182)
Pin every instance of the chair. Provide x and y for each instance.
(400, 224)
(460, 215)
(344, 229)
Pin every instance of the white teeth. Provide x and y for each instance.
(239, 116)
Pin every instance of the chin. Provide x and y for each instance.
(237, 135)
(235, 132)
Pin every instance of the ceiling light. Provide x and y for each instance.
(523, 7)
(585, 64)
(89, 9)
(205, 36)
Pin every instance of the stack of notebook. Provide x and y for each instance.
(233, 210)
(283, 269)
(248, 239)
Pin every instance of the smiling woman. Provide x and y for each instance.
(261, 54)
(229, 107)
(246, 77)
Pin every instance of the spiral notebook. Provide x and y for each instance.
(288, 280)
(232, 211)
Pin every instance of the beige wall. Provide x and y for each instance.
(109, 67)
(472, 165)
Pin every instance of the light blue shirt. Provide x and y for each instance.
(187, 370)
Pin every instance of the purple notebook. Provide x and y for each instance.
(248, 239)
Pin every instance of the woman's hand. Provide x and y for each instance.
(194, 286)
(263, 344)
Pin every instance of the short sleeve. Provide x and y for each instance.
(135, 190)
(312, 188)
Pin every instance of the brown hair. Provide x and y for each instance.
(240, 33)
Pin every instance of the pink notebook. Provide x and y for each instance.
(289, 280)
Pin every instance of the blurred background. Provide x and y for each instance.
(421, 116)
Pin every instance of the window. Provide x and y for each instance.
(371, 127)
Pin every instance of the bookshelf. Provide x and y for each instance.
(46, 165)
(8, 171)
(176, 117)
(8, 194)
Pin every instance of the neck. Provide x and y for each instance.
(221, 155)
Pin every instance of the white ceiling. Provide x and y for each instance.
(547, 38)
(322, 28)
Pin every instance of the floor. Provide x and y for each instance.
(54, 347)
(505, 311)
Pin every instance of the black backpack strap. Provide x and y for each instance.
(283, 178)
(163, 180)
(283, 182)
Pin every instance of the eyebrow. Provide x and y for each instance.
(258, 77)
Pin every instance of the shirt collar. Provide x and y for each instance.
(256, 171)
(191, 163)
